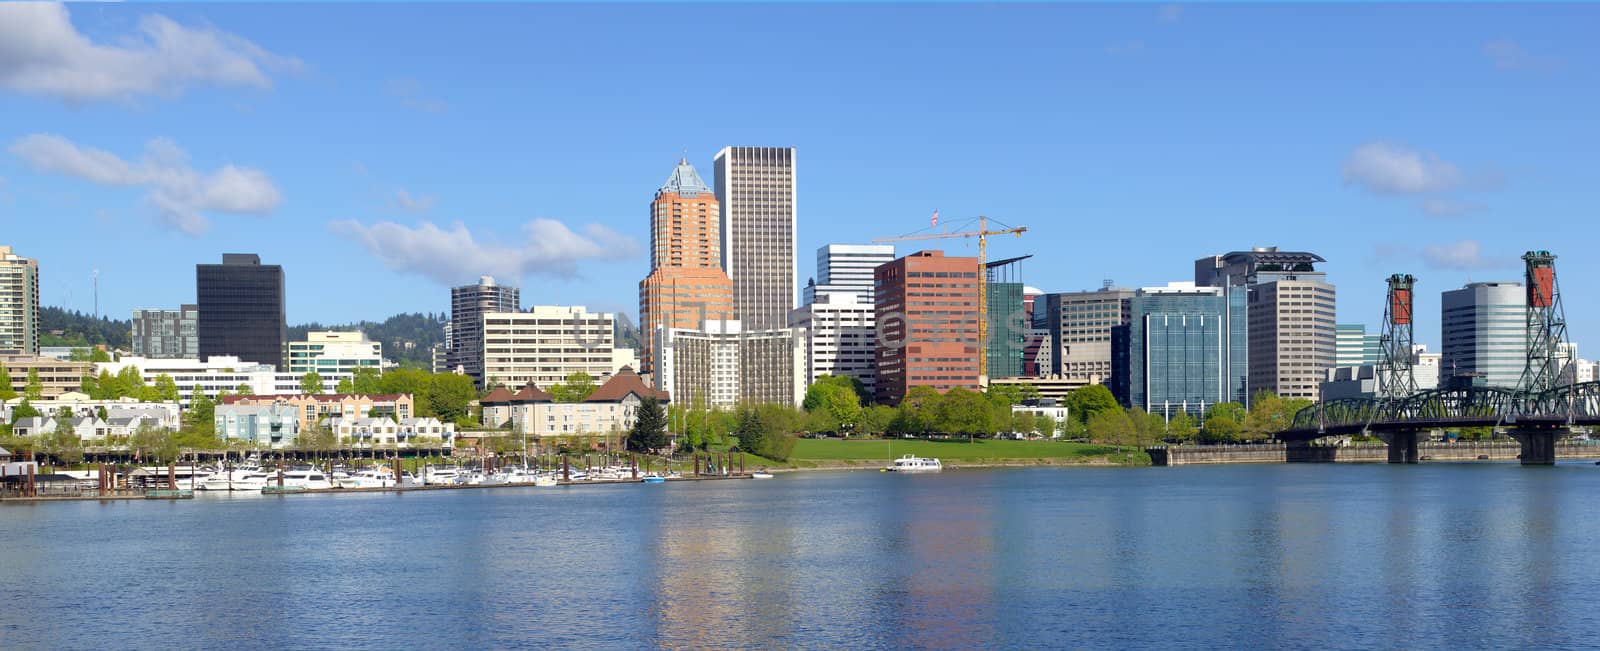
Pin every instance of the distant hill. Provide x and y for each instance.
(406, 338)
(79, 329)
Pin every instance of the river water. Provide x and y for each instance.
(1278, 556)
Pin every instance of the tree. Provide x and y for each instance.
(365, 381)
(1086, 401)
(311, 383)
(153, 443)
(63, 443)
(23, 410)
(451, 396)
(6, 392)
(242, 390)
(918, 411)
(1181, 428)
(201, 415)
(876, 419)
(1111, 426)
(408, 381)
(962, 411)
(649, 433)
(317, 438)
(166, 388)
(1014, 394)
(346, 386)
(836, 404)
(35, 388)
(1024, 422)
(576, 389)
(752, 433)
(1147, 428)
(1046, 426)
(1219, 428)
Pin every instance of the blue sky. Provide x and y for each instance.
(1439, 140)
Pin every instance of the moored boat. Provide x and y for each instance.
(913, 463)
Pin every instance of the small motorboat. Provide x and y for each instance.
(761, 474)
(654, 480)
(913, 463)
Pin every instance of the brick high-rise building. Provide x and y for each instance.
(686, 286)
(927, 316)
(756, 186)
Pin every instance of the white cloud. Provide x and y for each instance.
(1508, 55)
(1465, 255)
(412, 96)
(1170, 13)
(179, 193)
(1442, 207)
(417, 205)
(1389, 168)
(42, 53)
(454, 255)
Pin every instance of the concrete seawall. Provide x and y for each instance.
(1183, 455)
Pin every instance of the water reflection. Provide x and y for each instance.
(1465, 555)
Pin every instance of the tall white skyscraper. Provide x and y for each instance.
(847, 268)
(19, 303)
(468, 304)
(756, 189)
(1484, 328)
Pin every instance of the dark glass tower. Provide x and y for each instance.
(241, 309)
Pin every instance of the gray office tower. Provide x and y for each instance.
(241, 303)
(468, 304)
(1291, 306)
(756, 189)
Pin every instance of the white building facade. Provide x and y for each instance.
(219, 374)
(546, 344)
(335, 352)
(724, 365)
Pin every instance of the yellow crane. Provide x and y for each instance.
(982, 234)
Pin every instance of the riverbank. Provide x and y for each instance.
(859, 454)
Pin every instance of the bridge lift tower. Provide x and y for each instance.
(1395, 371)
(1546, 326)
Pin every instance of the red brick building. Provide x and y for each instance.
(927, 314)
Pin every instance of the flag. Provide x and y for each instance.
(935, 220)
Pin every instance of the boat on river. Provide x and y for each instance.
(913, 463)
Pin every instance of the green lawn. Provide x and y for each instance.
(883, 450)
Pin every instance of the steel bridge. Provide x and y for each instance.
(1564, 406)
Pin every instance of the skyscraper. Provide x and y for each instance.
(847, 268)
(1184, 349)
(1484, 331)
(468, 304)
(1079, 324)
(756, 186)
(1354, 346)
(927, 315)
(167, 334)
(1291, 306)
(19, 303)
(686, 286)
(838, 316)
(241, 303)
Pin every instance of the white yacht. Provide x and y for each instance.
(440, 475)
(242, 478)
(913, 463)
(307, 479)
(376, 478)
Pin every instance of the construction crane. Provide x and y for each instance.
(982, 234)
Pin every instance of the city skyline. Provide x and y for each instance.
(1388, 157)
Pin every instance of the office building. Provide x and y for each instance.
(1007, 337)
(19, 303)
(546, 344)
(241, 303)
(1366, 380)
(686, 285)
(756, 187)
(839, 316)
(335, 352)
(217, 375)
(927, 318)
(55, 376)
(1484, 332)
(468, 304)
(1291, 307)
(1080, 326)
(847, 268)
(1354, 346)
(1183, 350)
(167, 334)
(723, 365)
